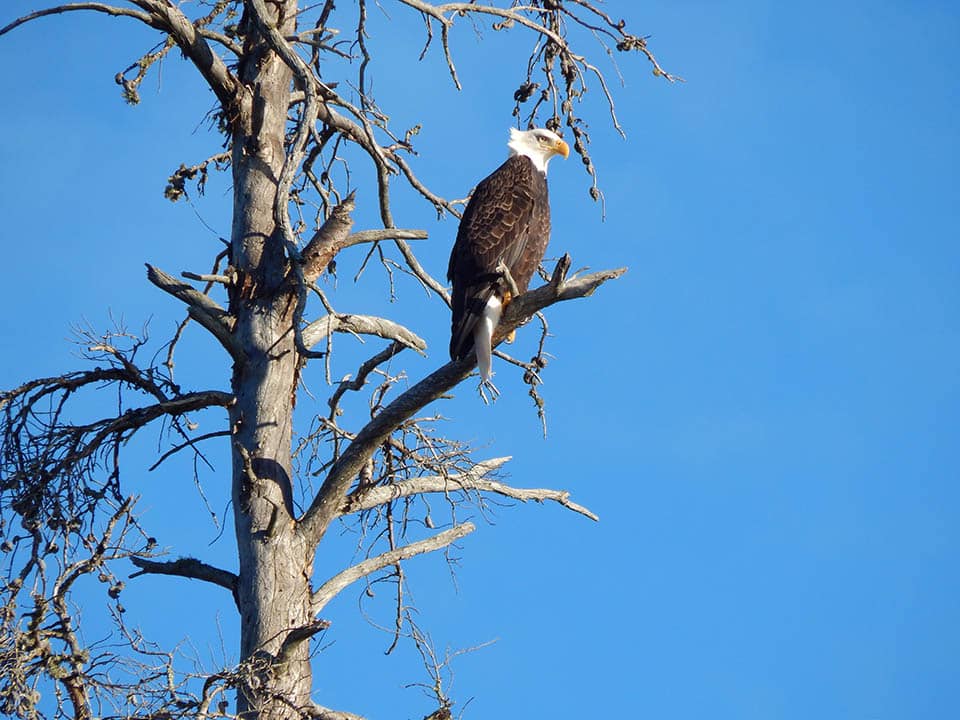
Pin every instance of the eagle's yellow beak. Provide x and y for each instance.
(561, 148)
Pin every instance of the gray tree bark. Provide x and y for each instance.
(275, 563)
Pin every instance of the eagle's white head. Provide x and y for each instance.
(538, 144)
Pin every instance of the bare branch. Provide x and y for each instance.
(369, 236)
(557, 290)
(83, 441)
(177, 182)
(439, 12)
(94, 6)
(201, 308)
(190, 442)
(363, 373)
(202, 277)
(476, 479)
(417, 269)
(69, 382)
(341, 580)
(146, 18)
(316, 331)
(135, 419)
(374, 495)
(190, 568)
(438, 484)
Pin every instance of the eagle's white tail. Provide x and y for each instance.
(483, 336)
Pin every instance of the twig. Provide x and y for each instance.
(189, 443)
(222, 279)
(362, 373)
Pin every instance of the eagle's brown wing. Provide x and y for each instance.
(507, 218)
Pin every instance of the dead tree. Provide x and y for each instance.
(279, 72)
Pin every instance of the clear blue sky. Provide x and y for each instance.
(764, 411)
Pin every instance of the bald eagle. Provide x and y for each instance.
(501, 241)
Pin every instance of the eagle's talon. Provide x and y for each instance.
(488, 385)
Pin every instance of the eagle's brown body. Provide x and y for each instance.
(508, 219)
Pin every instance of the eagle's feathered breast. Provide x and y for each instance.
(507, 218)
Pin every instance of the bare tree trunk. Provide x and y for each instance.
(275, 564)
